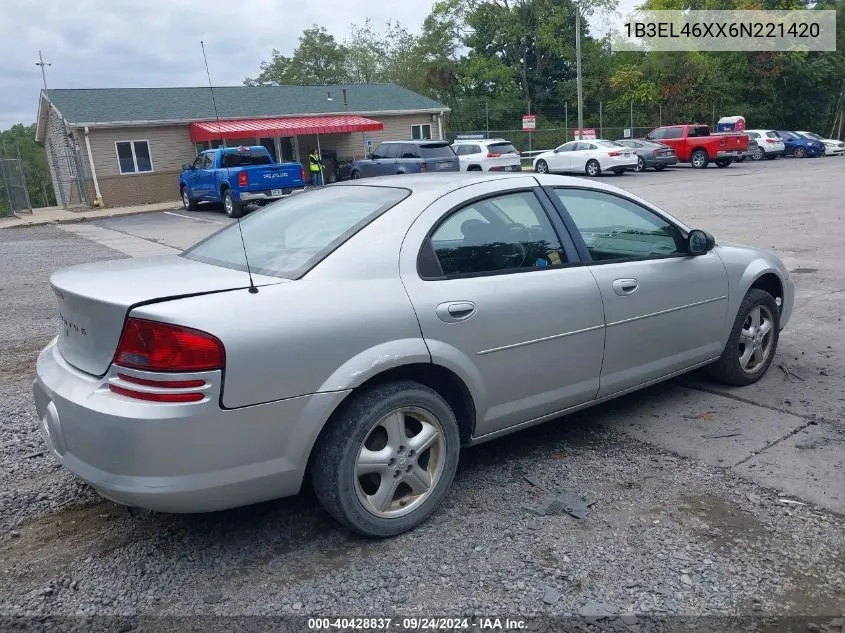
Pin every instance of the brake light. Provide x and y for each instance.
(302, 172)
(493, 155)
(614, 154)
(158, 346)
(243, 179)
(771, 140)
(423, 167)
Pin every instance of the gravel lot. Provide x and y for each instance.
(667, 532)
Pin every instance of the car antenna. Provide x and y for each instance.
(253, 289)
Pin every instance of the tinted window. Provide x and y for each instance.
(672, 132)
(616, 228)
(436, 150)
(701, 130)
(753, 135)
(788, 135)
(501, 148)
(507, 232)
(408, 150)
(772, 134)
(657, 134)
(289, 237)
(567, 147)
(245, 158)
(381, 151)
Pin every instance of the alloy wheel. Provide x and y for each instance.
(640, 163)
(400, 462)
(542, 167)
(755, 339)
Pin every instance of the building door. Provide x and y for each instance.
(286, 146)
(270, 144)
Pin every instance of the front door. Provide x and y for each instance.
(486, 270)
(207, 178)
(560, 160)
(664, 310)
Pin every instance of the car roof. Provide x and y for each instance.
(419, 141)
(480, 140)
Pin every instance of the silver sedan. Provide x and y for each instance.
(377, 328)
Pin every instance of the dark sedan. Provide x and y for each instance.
(650, 154)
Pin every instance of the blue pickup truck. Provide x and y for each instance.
(236, 177)
(407, 157)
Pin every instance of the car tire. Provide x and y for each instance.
(741, 159)
(231, 207)
(592, 168)
(189, 203)
(799, 152)
(640, 164)
(758, 154)
(355, 175)
(699, 159)
(772, 156)
(361, 424)
(723, 162)
(731, 368)
(659, 167)
(542, 167)
(618, 172)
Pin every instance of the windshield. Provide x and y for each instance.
(810, 135)
(288, 238)
(437, 150)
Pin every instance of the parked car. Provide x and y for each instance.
(832, 147)
(406, 157)
(650, 154)
(390, 323)
(590, 157)
(749, 152)
(238, 176)
(800, 147)
(495, 154)
(769, 144)
(695, 144)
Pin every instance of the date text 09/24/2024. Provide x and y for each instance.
(415, 624)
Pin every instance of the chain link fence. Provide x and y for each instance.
(15, 194)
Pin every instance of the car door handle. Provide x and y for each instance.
(625, 287)
(455, 311)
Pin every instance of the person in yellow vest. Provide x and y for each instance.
(314, 165)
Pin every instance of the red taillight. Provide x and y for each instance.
(423, 167)
(302, 172)
(157, 397)
(243, 179)
(158, 346)
(771, 140)
(493, 155)
(614, 154)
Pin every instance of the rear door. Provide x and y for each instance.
(665, 310)
(439, 156)
(487, 270)
(409, 158)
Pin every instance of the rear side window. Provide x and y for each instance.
(408, 150)
(288, 238)
(772, 134)
(436, 150)
(674, 132)
(700, 130)
(501, 148)
(246, 158)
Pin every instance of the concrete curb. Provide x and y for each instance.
(21, 223)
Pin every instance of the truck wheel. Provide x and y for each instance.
(723, 162)
(593, 168)
(232, 208)
(189, 203)
(699, 159)
(387, 458)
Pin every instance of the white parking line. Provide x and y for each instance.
(190, 217)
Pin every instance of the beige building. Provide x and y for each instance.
(125, 146)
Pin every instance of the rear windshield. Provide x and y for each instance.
(501, 148)
(246, 158)
(609, 144)
(437, 150)
(289, 237)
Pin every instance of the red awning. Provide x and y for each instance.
(293, 126)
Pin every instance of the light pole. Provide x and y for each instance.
(42, 63)
(578, 79)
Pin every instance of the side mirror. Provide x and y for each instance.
(700, 242)
(187, 166)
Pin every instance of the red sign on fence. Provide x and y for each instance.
(587, 133)
(529, 122)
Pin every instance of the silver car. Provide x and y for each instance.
(380, 326)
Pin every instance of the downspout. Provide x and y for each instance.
(99, 200)
(440, 125)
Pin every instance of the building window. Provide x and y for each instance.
(422, 131)
(206, 145)
(133, 156)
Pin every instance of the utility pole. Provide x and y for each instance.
(42, 63)
(632, 118)
(566, 121)
(601, 119)
(578, 80)
(487, 118)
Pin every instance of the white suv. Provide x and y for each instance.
(769, 144)
(488, 154)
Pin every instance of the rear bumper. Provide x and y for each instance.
(193, 457)
(514, 167)
(731, 153)
(662, 160)
(267, 195)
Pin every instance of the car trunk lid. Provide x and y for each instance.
(94, 299)
(439, 156)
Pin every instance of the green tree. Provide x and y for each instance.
(318, 59)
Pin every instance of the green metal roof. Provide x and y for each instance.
(123, 105)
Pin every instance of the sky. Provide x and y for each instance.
(132, 43)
